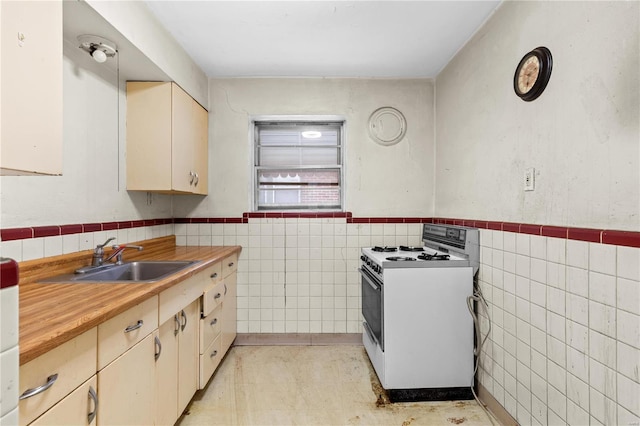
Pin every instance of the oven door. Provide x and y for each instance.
(372, 307)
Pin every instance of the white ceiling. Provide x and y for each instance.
(322, 38)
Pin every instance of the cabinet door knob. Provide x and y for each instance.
(214, 353)
(34, 391)
(156, 355)
(230, 264)
(215, 274)
(136, 326)
(217, 296)
(213, 321)
(94, 397)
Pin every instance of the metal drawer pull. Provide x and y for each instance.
(214, 321)
(191, 177)
(177, 321)
(230, 264)
(197, 179)
(214, 353)
(215, 274)
(217, 296)
(184, 317)
(94, 397)
(159, 345)
(31, 392)
(134, 327)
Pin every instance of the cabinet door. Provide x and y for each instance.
(167, 373)
(229, 314)
(148, 136)
(127, 387)
(200, 118)
(188, 355)
(182, 141)
(78, 408)
(31, 81)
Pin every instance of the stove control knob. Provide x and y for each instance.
(363, 257)
(368, 262)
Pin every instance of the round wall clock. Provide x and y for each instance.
(387, 126)
(533, 73)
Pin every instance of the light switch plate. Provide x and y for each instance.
(530, 179)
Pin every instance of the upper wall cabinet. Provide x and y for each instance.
(31, 87)
(167, 148)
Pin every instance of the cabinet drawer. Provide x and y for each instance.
(75, 409)
(121, 332)
(230, 264)
(74, 362)
(175, 298)
(212, 298)
(209, 361)
(213, 274)
(210, 328)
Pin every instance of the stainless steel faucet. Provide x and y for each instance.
(117, 252)
(98, 260)
(98, 253)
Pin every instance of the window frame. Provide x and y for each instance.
(256, 121)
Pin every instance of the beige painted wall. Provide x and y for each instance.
(582, 135)
(380, 181)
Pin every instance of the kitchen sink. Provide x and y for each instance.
(130, 272)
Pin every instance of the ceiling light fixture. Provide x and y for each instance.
(99, 48)
(311, 134)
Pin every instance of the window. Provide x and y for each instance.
(298, 165)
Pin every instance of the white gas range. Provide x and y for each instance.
(418, 331)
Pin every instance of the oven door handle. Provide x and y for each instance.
(370, 280)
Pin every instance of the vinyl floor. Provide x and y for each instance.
(312, 385)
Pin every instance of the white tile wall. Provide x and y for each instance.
(299, 275)
(583, 345)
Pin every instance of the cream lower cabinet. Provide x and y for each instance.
(229, 313)
(128, 345)
(129, 370)
(176, 367)
(46, 381)
(127, 386)
(218, 322)
(80, 407)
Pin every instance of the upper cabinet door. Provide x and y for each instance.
(31, 87)
(167, 146)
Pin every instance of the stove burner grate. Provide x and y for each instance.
(409, 248)
(435, 256)
(385, 249)
(400, 258)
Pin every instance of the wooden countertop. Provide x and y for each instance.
(53, 313)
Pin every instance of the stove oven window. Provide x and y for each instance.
(298, 165)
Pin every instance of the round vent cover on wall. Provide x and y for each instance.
(387, 126)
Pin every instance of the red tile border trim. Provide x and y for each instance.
(613, 237)
(621, 238)
(12, 234)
